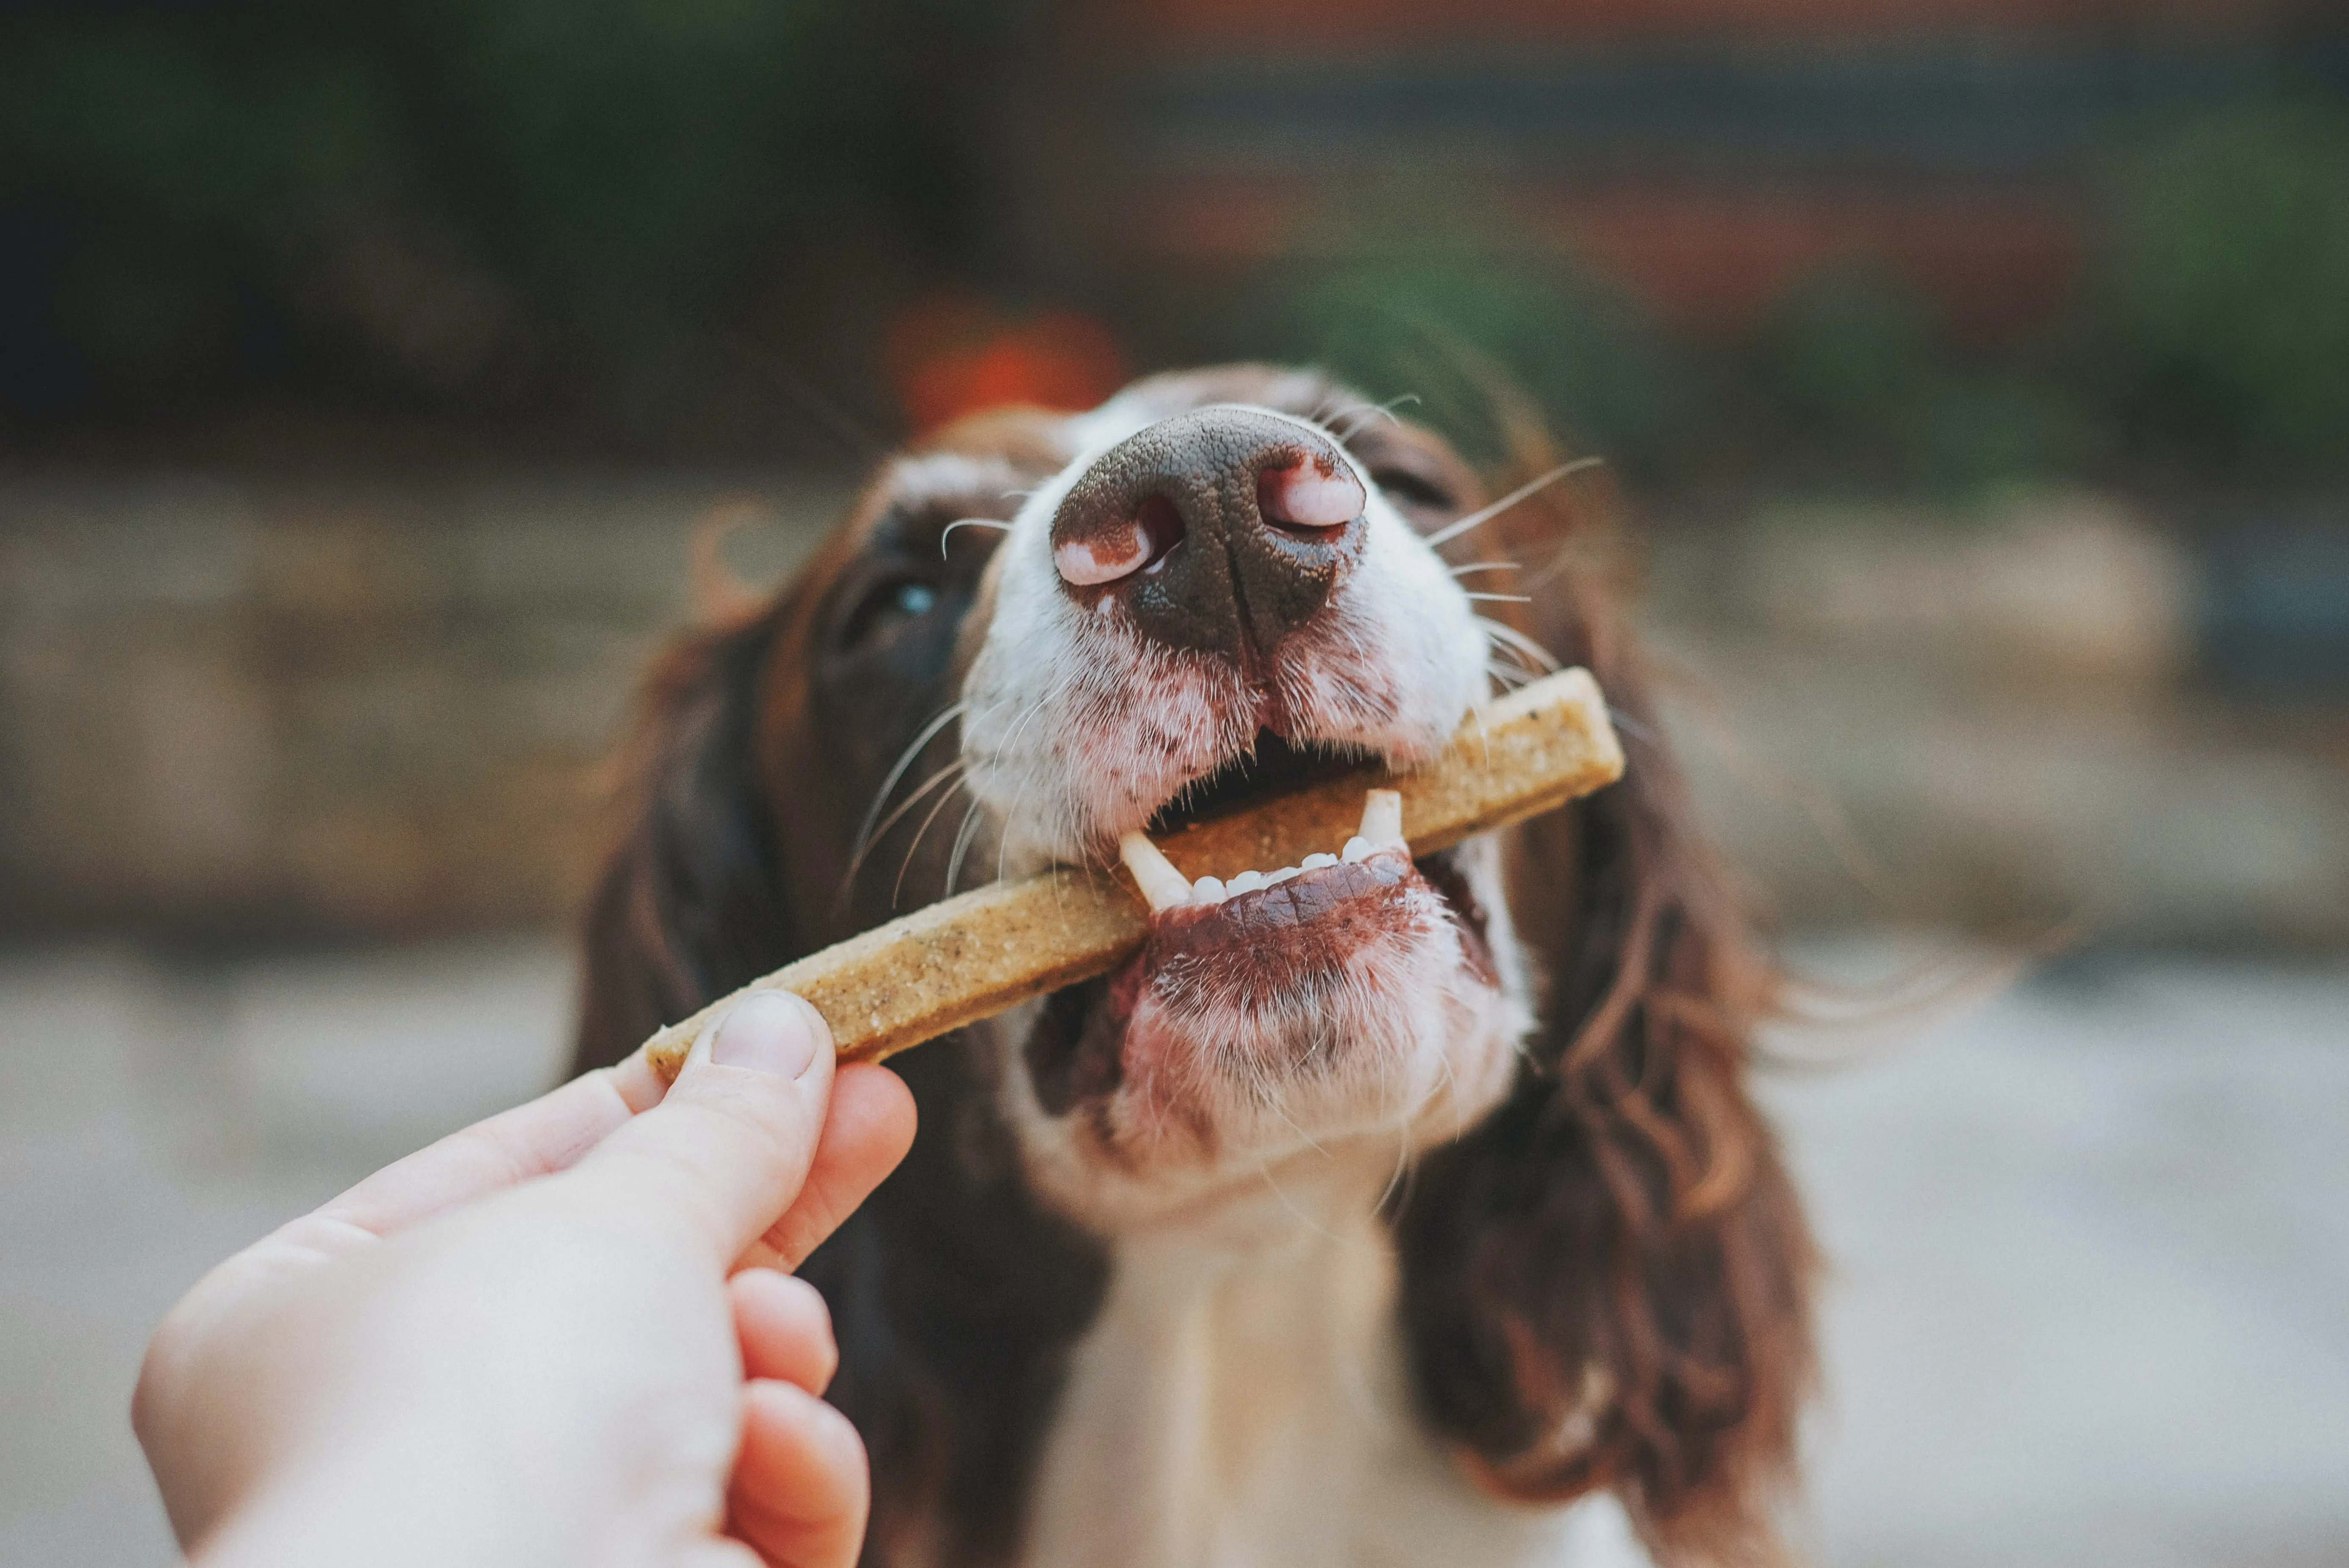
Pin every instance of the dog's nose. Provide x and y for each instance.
(1223, 529)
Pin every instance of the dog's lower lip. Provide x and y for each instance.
(1298, 904)
(1435, 870)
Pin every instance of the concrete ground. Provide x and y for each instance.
(2090, 1301)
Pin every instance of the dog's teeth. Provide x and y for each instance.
(1247, 881)
(1154, 873)
(1357, 849)
(1315, 862)
(1282, 875)
(1207, 890)
(1382, 819)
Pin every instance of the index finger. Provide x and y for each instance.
(729, 1147)
(546, 1135)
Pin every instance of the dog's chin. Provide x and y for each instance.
(1353, 1010)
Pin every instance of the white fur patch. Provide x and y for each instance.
(1242, 1403)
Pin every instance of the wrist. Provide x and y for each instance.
(459, 1497)
(399, 1504)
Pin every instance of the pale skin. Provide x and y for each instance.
(563, 1336)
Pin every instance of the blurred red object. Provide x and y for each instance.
(953, 355)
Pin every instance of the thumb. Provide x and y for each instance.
(727, 1148)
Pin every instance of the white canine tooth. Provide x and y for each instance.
(1357, 849)
(1282, 875)
(1382, 817)
(1315, 862)
(1154, 873)
(1207, 890)
(1247, 881)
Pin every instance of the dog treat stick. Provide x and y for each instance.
(980, 952)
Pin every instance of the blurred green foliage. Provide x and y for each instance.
(1850, 382)
(1444, 328)
(1852, 347)
(2209, 330)
(198, 193)
(1853, 375)
(2227, 314)
(459, 205)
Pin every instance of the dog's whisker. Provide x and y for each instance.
(1486, 566)
(962, 844)
(1280, 1195)
(928, 733)
(1484, 739)
(1522, 677)
(1500, 598)
(913, 849)
(1512, 660)
(1443, 536)
(1268, 1089)
(952, 770)
(1365, 414)
(1515, 641)
(1632, 727)
(1019, 726)
(947, 531)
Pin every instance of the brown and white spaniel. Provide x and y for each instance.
(1409, 1224)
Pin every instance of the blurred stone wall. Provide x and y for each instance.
(2003, 720)
(253, 711)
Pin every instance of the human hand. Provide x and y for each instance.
(560, 1335)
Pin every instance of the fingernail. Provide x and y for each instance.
(769, 1032)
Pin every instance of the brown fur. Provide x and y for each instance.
(1624, 1209)
(1627, 1207)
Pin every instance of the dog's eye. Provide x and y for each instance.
(1409, 489)
(886, 607)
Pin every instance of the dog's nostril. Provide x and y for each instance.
(1309, 495)
(1161, 529)
(1222, 529)
(1122, 549)
(1104, 558)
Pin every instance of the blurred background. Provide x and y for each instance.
(1973, 374)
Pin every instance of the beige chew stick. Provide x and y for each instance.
(973, 955)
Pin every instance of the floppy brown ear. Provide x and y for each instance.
(690, 902)
(1607, 1282)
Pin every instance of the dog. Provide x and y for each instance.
(1409, 1223)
